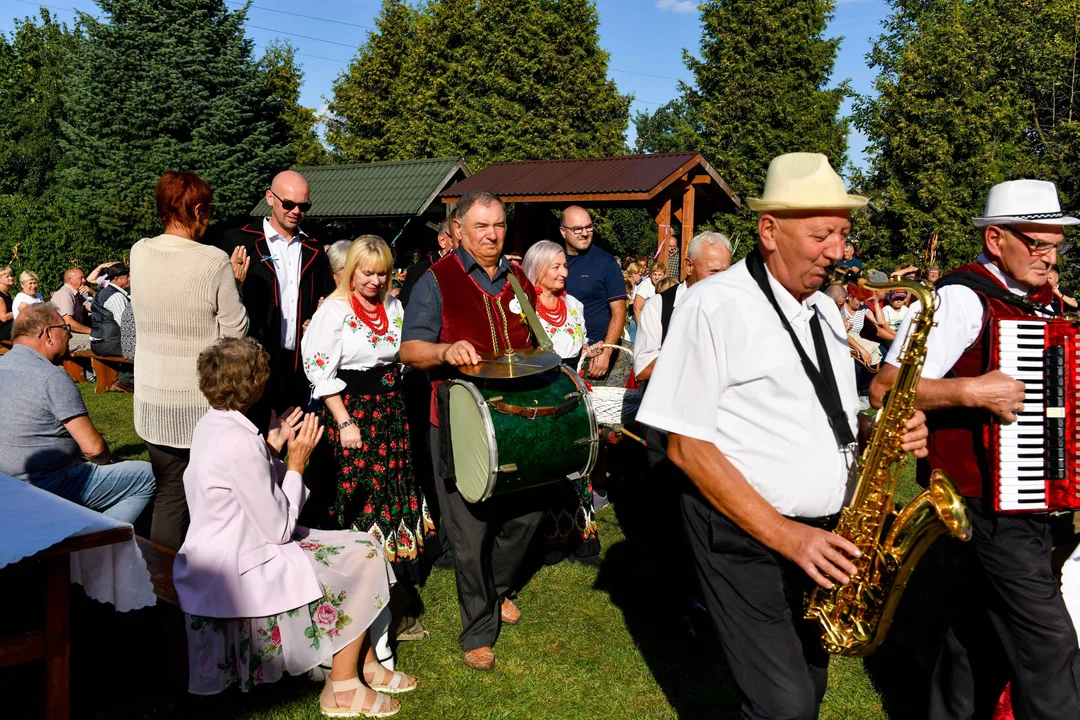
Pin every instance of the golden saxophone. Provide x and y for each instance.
(855, 617)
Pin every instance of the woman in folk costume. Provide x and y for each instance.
(350, 356)
(569, 525)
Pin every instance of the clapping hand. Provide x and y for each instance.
(240, 263)
(282, 429)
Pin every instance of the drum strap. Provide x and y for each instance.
(533, 412)
(529, 312)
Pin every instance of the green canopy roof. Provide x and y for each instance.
(382, 189)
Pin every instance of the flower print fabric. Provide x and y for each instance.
(355, 577)
(567, 339)
(337, 340)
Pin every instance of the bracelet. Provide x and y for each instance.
(344, 424)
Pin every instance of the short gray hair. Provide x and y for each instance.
(538, 259)
(707, 238)
(33, 319)
(336, 254)
(475, 197)
(837, 292)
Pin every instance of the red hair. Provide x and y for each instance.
(177, 195)
(859, 293)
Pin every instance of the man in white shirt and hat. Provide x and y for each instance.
(768, 456)
(1011, 622)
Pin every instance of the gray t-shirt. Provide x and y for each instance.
(36, 398)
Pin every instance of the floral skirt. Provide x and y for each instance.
(375, 489)
(356, 580)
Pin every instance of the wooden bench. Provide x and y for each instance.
(105, 368)
(159, 561)
(71, 366)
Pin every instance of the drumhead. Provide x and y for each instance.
(472, 439)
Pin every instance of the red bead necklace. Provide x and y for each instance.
(555, 317)
(375, 319)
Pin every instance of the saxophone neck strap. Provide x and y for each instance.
(821, 376)
(529, 312)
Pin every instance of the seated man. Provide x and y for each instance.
(74, 308)
(46, 436)
(107, 315)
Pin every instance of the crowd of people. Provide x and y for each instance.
(275, 382)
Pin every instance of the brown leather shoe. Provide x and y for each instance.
(480, 658)
(509, 613)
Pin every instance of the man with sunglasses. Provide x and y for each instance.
(289, 274)
(1010, 621)
(46, 435)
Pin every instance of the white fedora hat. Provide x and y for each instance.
(1018, 202)
(804, 181)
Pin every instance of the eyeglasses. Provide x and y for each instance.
(65, 327)
(288, 205)
(579, 230)
(1041, 248)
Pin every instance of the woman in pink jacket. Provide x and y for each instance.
(261, 594)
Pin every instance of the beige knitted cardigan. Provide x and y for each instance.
(184, 298)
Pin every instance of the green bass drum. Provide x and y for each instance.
(516, 434)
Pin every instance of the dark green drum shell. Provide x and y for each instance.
(497, 452)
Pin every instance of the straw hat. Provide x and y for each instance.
(804, 181)
(1019, 202)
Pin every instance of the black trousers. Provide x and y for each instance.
(755, 600)
(287, 387)
(1011, 625)
(489, 540)
(170, 521)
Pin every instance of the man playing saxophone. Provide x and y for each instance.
(1013, 623)
(756, 388)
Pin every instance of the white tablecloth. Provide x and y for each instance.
(32, 520)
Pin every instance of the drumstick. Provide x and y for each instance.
(632, 436)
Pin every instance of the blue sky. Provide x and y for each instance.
(645, 38)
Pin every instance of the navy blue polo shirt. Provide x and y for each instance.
(595, 279)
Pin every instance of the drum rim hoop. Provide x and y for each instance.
(489, 428)
(594, 427)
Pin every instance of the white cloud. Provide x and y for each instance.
(679, 6)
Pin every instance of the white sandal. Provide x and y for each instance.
(396, 684)
(354, 710)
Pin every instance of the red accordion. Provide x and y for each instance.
(1034, 461)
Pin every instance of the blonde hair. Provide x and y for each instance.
(6, 270)
(539, 259)
(367, 252)
(336, 254)
(28, 275)
(658, 267)
(634, 268)
(666, 284)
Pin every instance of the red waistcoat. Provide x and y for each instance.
(470, 313)
(957, 442)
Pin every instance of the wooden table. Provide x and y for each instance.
(53, 642)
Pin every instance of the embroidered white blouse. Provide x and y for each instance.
(567, 339)
(337, 340)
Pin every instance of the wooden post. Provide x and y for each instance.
(58, 638)
(687, 225)
(663, 223)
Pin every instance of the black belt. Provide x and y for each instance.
(826, 522)
(373, 381)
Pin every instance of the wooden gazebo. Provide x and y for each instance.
(672, 186)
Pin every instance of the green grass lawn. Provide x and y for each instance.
(593, 643)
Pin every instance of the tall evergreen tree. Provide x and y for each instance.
(761, 88)
(968, 95)
(487, 79)
(165, 86)
(368, 94)
(295, 124)
(34, 64)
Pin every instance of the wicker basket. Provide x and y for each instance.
(614, 406)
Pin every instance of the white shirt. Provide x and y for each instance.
(728, 374)
(645, 289)
(19, 300)
(337, 340)
(958, 320)
(285, 254)
(567, 339)
(894, 317)
(650, 330)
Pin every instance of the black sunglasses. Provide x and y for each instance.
(1038, 247)
(288, 205)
